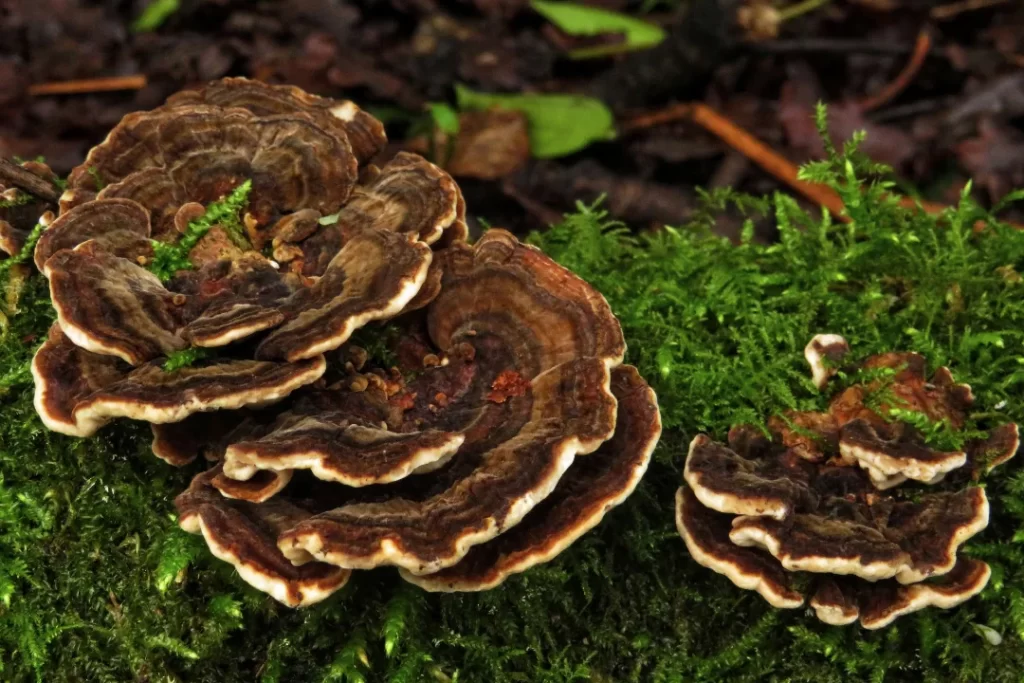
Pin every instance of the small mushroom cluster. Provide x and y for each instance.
(493, 424)
(814, 511)
(21, 212)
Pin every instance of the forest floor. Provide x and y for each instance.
(938, 85)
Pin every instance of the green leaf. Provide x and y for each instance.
(1011, 198)
(155, 14)
(559, 124)
(580, 20)
(445, 118)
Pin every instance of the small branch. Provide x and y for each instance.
(768, 159)
(904, 78)
(794, 11)
(944, 12)
(12, 174)
(829, 45)
(89, 85)
(737, 138)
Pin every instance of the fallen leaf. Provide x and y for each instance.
(559, 124)
(491, 144)
(581, 20)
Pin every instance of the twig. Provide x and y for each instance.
(803, 7)
(943, 12)
(903, 78)
(89, 85)
(12, 174)
(917, 108)
(734, 136)
(762, 155)
(831, 45)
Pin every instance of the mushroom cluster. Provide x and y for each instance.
(813, 510)
(483, 421)
(20, 212)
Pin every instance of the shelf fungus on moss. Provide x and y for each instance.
(21, 213)
(343, 118)
(589, 489)
(505, 429)
(243, 534)
(77, 391)
(237, 216)
(810, 499)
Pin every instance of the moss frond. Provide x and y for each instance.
(226, 212)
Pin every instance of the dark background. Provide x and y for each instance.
(959, 117)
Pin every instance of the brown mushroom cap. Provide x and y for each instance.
(25, 211)
(373, 277)
(119, 226)
(244, 534)
(336, 447)
(1001, 444)
(724, 481)
(836, 600)
(365, 132)
(933, 528)
(823, 544)
(109, 305)
(841, 602)
(512, 291)
(410, 196)
(12, 239)
(706, 534)
(77, 392)
(823, 353)
(860, 442)
(572, 412)
(827, 519)
(591, 487)
(158, 193)
(179, 443)
(808, 498)
(204, 151)
(112, 305)
(528, 318)
(261, 487)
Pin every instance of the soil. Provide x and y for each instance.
(959, 114)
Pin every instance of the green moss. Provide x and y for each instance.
(26, 251)
(226, 212)
(20, 199)
(185, 358)
(98, 584)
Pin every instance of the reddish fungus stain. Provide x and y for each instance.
(509, 383)
(406, 400)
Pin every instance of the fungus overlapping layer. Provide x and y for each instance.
(241, 227)
(21, 212)
(141, 265)
(507, 428)
(818, 497)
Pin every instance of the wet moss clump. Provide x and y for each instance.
(97, 583)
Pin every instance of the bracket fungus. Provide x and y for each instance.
(167, 238)
(815, 499)
(21, 212)
(213, 259)
(505, 430)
